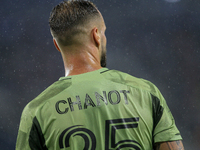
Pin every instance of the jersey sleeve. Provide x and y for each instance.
(30, 136)
(24, 130)
(164, 123)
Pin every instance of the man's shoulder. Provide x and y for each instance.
(130, 80)
(50, 92)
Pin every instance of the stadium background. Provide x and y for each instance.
(156, 40)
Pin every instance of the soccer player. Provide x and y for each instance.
(92, 107)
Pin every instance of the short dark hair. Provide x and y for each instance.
(67, 15)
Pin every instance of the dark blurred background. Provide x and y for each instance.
(158, 40)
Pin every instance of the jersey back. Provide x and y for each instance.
(103, 109)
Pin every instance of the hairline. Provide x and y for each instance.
(80, 27)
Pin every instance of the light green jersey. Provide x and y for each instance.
(100, 110)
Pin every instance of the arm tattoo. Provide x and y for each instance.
(157, 146)
(176, 145)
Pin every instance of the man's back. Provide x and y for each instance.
(103, 109)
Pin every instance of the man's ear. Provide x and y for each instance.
(56, 45)
(96, 36)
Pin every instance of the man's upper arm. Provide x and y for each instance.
(24, 130)
(173, 145)
(22, 141)
(164, 128)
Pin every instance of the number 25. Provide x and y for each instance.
(111, 127)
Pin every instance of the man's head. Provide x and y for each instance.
(78, 22)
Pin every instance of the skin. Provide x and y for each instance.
(85, 56)
(173, 145)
